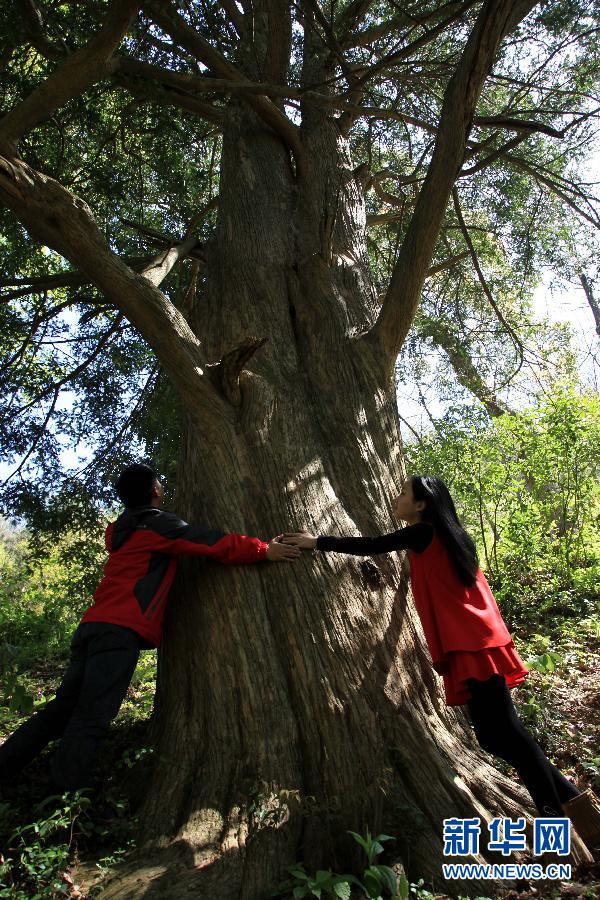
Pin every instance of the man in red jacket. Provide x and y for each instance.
(126, 616)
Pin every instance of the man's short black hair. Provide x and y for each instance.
(134, 485)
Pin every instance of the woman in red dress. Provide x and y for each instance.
(469, 643)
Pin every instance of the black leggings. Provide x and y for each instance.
(103, 660)
(500, 731)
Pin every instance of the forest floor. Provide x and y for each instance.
(54, 847)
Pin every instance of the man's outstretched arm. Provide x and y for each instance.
(173, 535)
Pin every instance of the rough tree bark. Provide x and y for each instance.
(295, 702)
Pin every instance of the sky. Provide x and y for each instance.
(566, 303)
(553, 300)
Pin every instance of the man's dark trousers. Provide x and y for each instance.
(102, 663)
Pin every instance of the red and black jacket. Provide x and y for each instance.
(143, 546)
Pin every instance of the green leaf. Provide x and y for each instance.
(403, 887)
(343, 879)
(360, 840)
(322, 876)
(374, 850)
(342, 890)
(298, 871)
(387, 876)
(372, 883)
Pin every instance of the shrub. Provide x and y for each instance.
(526, 485)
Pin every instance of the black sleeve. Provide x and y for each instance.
(168, 525)
(173, 535)
(415, 537)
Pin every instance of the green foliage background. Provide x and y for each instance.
(527, 486)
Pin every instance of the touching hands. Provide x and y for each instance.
(277, 551)
(301, 539)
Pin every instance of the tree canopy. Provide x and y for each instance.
(123, 106)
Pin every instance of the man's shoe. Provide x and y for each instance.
(584, 813)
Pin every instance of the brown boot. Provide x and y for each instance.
(584, 813)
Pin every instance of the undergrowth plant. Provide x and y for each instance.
(374, 881)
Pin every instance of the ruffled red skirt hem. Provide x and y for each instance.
(480, 664)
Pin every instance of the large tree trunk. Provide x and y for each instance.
(297, 701)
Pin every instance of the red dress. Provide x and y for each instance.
(464, 630)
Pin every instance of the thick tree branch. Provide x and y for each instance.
(524, 129)
(167, 241)
(40, 283)
(65, 223)
(79, 71)
(493, 156)
(279, 39)
(201, 84)
(189, 298)
(403, 19)
(460, 98)
(21, 287)
(168, 18)
(329, 38)
(180, 89)
(515, 124)
(235, 16)
(351, 18)
(163, 96)
(133, 74)
(384, 218)
(200, 215)
(156, 271)
(36, 32)
(384, 195)
(409, 49)
(189, 248)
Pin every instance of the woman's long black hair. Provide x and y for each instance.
(441, 513)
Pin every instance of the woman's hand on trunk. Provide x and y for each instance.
(301, 539)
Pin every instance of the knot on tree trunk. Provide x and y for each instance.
(231, 366)
(370, 574)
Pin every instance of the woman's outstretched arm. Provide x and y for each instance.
(415, 537)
